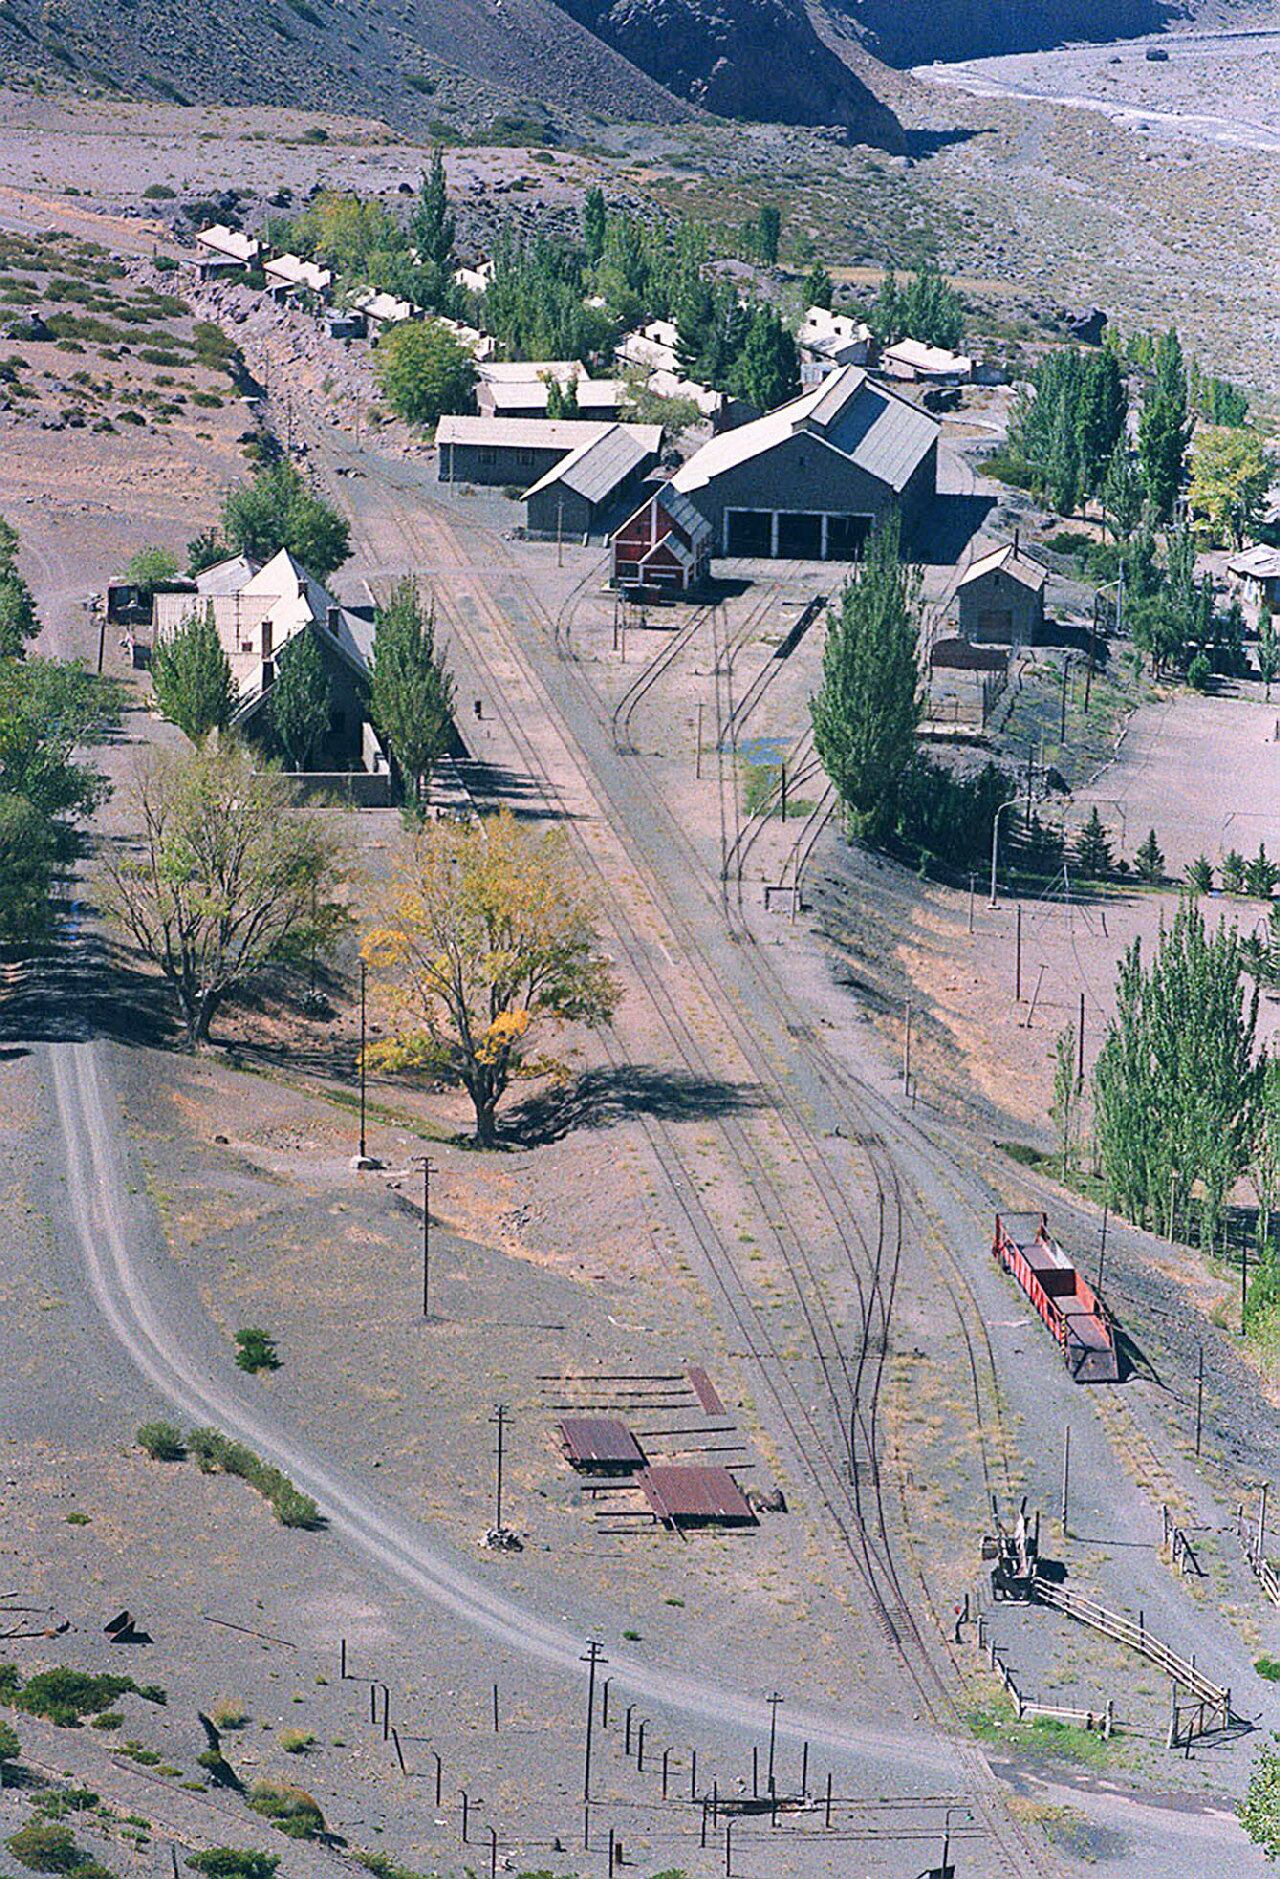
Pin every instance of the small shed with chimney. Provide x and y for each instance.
(1000, 600)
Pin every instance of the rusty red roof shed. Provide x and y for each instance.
(601, 1442)
(689, 1497)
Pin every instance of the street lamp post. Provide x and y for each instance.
(995, 846)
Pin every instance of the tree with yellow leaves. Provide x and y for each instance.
(486, 943)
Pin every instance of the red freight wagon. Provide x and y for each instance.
(1065, 1300)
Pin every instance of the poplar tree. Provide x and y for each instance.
(868, 706)
(410, 690)
(1176, 1087)
(300, 699)
(1163, 430)
(191, 678)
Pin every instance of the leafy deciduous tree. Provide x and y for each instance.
(228, 877)
(279, 510)
(1230, 476)
(487, 940)
(423, 371)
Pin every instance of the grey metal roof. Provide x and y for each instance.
(597, 468)
(885, 435)
(521, 433)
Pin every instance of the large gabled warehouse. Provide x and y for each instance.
(810, 480)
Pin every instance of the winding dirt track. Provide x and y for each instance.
(107, 1227)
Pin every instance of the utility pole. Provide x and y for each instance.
(428, 1169)
(364, 1140)
(560, 533)
(499, 1420)
(906, 1051)
(773, 1702)
(1066, 1474)
(784, 791)
(1080, 1050)
(1093, 640)
(697, 763)
(595, 1655)
(1017, 955)
(1199, 1394)
(1062, 729)
(973, 879)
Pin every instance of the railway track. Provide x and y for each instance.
(845, 1470)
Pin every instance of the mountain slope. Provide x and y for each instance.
(909, 32)
(398, 60)
(742, 58)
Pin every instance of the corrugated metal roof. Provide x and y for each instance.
(513, 396)
(885, 435)
(600, 1441)
(695, 1495)
(595, 469)
(1258, 563)
(1006, 558)
(521, 433)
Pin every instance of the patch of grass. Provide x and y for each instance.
(1268, 1667)
(228, 1714)
(77, 1519)
(296, 1741)
(1057, 1741)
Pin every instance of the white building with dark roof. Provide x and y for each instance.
(810, 480)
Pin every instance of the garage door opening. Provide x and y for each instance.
(750, 532)
(847, 537)
(800, 536)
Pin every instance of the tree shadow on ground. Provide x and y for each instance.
(601, 1098)
(82, 988)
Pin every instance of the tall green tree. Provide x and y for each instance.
(300, 699)
(1176, 1085)
(191, 678)
(818, 288)
(767, 370)
(19, 621)
(595, 219)
(1093, 849)
(433, 228)
(1121, 492)
(28, 852)
(279, 510)
(868, 706)
(768, 233)
(411, 688)
(1163, 430)
(151, 567)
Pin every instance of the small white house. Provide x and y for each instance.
(287, 273)
(828, 340)
(931, 365)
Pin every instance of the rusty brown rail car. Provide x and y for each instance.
(1069, 1307)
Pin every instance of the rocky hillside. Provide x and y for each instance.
(407, 62)
(911, 32)
(742, 58)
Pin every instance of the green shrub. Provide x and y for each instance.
(296, 1741)
(234, 1862)
(256, 1350)
(77, 1519)
(229, 1715)
(158, 192)
(109, 1719)
(161, 1440)
(1268, 1667)
(43, 1846)
(292, 1810)
(63, 1696)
